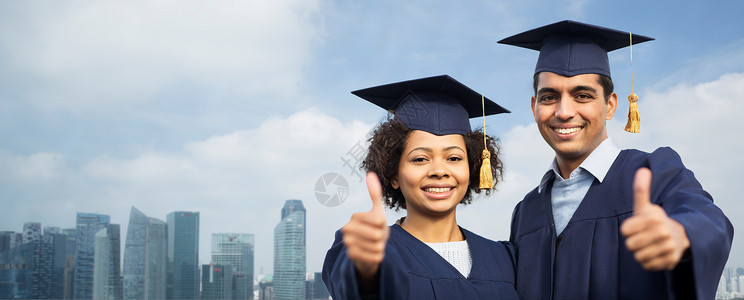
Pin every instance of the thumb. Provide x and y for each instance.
(375, 191)
(641, 190)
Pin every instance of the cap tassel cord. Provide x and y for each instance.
(486, 176)
(634, 119)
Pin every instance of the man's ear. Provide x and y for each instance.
(532, 105)
(611, 106)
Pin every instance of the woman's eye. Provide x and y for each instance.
(418, 159)
(455, 158)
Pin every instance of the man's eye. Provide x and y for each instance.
(584, 96)
(547, 98)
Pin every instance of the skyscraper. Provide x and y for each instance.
(145, 257)
(31, 232)
(289, 252)
(183, 255)
(68, 264)
(236, 250)
(63, 246)
(16, 272)
(5, 237)
(87, 226)
(43, 264)
(217, 282)
(316, 287)
(106, 272)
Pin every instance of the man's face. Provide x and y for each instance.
(571, 114)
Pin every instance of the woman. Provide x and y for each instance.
(423, 160)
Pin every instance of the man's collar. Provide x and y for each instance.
(598, 163)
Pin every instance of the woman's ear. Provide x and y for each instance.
(394, 183)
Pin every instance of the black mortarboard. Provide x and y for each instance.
(439, 105)
(571, 48)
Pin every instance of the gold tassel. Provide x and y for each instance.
(486, 177)
(634, 119)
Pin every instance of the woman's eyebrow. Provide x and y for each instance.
(427, 149)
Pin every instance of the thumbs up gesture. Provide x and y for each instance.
(367, 233)
(657, 240)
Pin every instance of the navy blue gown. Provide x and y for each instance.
(413, 270)
(589, 260)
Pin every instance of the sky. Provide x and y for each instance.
(230, 108)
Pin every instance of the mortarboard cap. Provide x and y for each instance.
(439, 105)
(570, 48)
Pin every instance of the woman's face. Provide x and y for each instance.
(433, 173)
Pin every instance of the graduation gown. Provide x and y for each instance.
(589, 259)
(413, 270)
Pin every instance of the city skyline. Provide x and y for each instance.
(141, 272)
(227, 255)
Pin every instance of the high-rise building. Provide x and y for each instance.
(289, 253)
(68, 263)
(31, 232)
(68, 288)
(43, 284)
(266, 289)
(236, 250)
(28, 268)
(52, 230)
(88, 225)
(217, 282)
(16, 272)
(106, 272)
(5, 237)
(16, 239)
(156, 268)
(183, 255)
(316, 288)
(145, 257)
(61, 250)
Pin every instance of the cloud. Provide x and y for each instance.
(36, 167)
(82, 55)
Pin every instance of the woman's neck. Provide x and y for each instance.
(433, 230)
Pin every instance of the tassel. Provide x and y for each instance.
(634, 119)
(486, 177)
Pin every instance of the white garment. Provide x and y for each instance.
(455, 253)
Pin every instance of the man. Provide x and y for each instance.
(600, 224)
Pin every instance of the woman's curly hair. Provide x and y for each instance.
(386, 147)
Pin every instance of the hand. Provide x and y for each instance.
(657, 240)
(367, 233)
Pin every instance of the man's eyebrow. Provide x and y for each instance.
(547, 90)
(583, 88)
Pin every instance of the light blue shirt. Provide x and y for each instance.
(567, 194)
